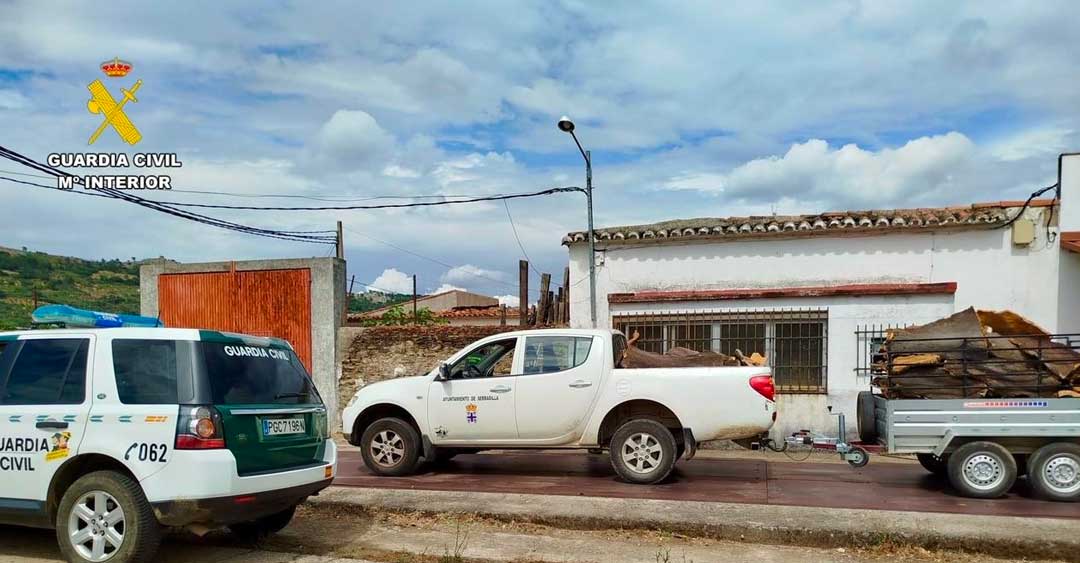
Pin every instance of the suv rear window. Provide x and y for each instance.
(246, 375)
(152, 372)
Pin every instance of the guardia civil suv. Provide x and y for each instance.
(109, 435)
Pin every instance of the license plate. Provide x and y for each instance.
(280, 426)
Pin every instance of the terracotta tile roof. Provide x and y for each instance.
(831, 223)
(477, 313)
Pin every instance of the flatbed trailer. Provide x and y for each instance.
(983, 444)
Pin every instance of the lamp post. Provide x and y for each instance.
(567, 126)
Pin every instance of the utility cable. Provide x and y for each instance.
(497, 197)
(157, 206)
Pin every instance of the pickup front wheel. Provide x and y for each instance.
(390, 447)
(643, 451)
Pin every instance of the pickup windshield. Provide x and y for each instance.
(245, 374)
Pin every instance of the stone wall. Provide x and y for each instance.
(370, 354)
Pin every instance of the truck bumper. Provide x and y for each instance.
(222, 511)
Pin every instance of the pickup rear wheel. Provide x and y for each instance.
(390, 447)
(643, 451)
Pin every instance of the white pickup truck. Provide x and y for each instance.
(557, 388)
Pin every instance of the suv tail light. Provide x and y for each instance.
(763, 384)
(199, 428)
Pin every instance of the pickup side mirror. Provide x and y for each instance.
(444, 373)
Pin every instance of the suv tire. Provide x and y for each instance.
(266, 526)
(103, 509)
(1054, 472)
(982, 470)
(390, 447)
(643, 451)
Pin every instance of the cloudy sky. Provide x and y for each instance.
(690, 109)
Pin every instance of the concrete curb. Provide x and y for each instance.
(1000, 536)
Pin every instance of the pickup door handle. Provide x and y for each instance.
(52, 425)
(500, 389)
(580, 383)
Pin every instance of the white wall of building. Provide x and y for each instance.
(990, 272)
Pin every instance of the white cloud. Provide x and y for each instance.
(815, 171)
(352, 138)
(468, 274)
(393, 281)
(13, 99)
(508, 300)
(447, 287)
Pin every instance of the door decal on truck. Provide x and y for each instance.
(470, 413)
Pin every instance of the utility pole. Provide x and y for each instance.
(414, 317)
(341, 242)
(545, 298)
(523, 292)
(592, 238)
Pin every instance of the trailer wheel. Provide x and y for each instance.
(982, 470)
(1054, 472)
(864, 414)
(859, 457)
(934, 464)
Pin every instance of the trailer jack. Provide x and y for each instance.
(856, 456)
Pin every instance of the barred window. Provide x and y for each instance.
(795, 342)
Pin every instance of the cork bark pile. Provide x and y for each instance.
(984, 354)
(680, 357)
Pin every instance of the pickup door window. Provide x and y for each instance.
(477, 402)
(556, 391)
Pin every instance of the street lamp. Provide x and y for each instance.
(567, 126)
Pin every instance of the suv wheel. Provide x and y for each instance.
(982, 470)
(104, 516)
(390, 447)
(643, 451)
(263, 527)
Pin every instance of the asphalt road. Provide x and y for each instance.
(885, 486)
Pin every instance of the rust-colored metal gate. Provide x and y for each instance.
(256, 302)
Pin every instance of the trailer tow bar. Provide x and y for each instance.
(856, 456)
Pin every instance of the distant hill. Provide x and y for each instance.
(104, 285)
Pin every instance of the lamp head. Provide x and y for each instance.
(565, 125)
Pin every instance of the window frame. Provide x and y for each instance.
(14, 350)
(514, 365)
(666, 328)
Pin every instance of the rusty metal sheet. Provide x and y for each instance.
(257, 302)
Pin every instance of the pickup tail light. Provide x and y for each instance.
(763, 384)
(199, 428)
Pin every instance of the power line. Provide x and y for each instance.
(497, 197)
(159, 206)
(521, 246)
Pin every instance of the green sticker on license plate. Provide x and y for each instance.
(284, 426)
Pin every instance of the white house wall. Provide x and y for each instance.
(990, 272)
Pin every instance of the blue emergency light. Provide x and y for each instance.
(72, 317)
